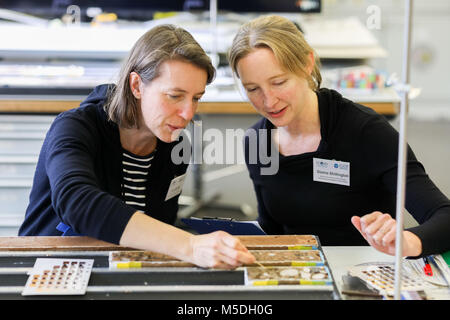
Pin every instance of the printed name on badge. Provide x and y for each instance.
(331, 171)
(176, 185)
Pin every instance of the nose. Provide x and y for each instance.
(187, 111)
(270, 100)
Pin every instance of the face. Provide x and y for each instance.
(275, 93)
(169, 101)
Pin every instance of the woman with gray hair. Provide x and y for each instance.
(105, 169)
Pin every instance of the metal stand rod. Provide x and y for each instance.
(213, 30)
(197, 143)
(402, 151)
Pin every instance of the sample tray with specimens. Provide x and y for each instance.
(281, 242)
(267, 276)
(288, 257)
(143, 259)
(123, 273)
(148, 259)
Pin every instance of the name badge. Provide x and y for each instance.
(175, 187)
(331, 171)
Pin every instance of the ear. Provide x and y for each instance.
(135, 84)
(311, 63)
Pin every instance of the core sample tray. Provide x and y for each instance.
(278, 276)
(122, 273)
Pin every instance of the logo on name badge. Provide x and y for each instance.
(323, 164)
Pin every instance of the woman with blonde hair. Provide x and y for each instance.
(337, 159)
(105, 169)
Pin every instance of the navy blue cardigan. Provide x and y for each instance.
(79, 175)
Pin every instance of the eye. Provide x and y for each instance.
(279, 83)
(250, 89)
(196, 99)
(173, 96)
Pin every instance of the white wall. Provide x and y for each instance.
(430, 47)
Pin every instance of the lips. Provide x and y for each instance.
(174, 132)
(173, 128)
(278, 113)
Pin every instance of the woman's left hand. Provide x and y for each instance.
(379, 230)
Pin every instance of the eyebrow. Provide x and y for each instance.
(184, 91)
(272, 77)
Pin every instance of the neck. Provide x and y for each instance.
(138, 142)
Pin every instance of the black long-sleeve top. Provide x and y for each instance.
(78, 178)
(290, 202)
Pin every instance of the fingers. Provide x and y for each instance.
(212, 258)
(378, 229)
(386, 234)
(232, 242)
(356, 221)
(233, 249)
(220, 250)
(368, 219)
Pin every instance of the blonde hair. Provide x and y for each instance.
(284, 39)
(160, 44)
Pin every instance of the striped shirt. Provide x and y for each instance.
(135, 171)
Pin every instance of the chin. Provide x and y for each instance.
(277, 122)
(170, 136)
(167, 138)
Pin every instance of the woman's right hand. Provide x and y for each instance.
(219, 250)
